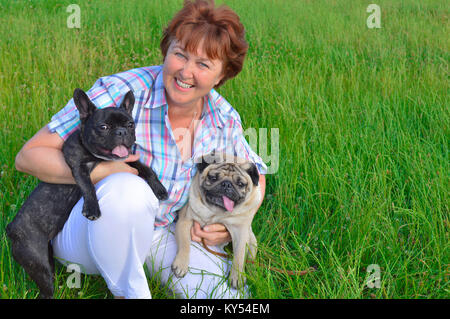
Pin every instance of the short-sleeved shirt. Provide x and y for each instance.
(219, 129)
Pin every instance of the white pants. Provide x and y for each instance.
(117, 245)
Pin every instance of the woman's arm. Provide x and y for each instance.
(42, 157)
(262, 182)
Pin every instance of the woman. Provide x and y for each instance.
(179, 117)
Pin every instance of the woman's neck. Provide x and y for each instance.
(178, 113)
(183, 122)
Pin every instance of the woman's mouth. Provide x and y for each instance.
(182, 85)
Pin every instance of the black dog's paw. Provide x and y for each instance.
(91, 211)
(160, 192)
(152, 180)
(45, 296)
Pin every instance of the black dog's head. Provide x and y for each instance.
(107, 133)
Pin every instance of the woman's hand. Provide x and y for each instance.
(214, 234)
(106, 168)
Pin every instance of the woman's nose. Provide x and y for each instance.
(187, 71)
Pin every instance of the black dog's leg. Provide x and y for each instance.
(150, 177)
(51, 260)
(38, 221)
(91, 209)
(35, 264)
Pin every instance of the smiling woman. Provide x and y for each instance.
(362, 119)
(202, 47)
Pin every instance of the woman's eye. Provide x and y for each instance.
(180, 55)
(203, 65)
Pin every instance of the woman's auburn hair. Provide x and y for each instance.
(219, 27)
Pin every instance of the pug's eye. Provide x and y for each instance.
(241, 185)
(212, 178)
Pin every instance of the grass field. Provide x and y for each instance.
(363, 119)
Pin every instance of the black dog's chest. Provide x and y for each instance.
(76, 154)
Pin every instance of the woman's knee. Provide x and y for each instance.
(126, 195)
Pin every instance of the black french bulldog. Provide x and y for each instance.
(105, 134)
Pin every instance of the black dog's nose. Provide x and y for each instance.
(121, 132)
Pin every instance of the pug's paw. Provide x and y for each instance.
(180, 266)
(236, 280)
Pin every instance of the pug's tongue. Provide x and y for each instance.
(229, 204)
(120, 151)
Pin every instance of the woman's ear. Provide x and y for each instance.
(222, 75)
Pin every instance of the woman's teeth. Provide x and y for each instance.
(183, 85)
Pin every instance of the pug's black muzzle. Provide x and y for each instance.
(215, 195)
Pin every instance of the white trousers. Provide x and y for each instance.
(117, 245)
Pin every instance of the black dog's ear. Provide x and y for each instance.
(254, 174)
(128, 102)
(83, 103)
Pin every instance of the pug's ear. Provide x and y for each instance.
(202, 165)
(253, 172)
(83, 103)
(128, 102)
(207, 159)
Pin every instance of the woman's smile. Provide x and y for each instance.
(183, 86)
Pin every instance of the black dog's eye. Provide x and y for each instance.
(104, 127)
(131, 125)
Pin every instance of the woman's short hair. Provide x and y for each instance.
(219, 27)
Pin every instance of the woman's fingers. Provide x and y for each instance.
(195, 229)
(133, 157)
(214, 234)
(215, 228)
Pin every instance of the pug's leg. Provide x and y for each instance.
(240, 240)
(252, 245)
(207, 276)
(183, 239)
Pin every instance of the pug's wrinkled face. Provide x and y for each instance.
(227, 185)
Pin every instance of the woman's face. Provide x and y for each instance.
(189, 77)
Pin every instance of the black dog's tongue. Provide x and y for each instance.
(120, 151)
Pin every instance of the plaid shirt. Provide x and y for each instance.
(220, 129)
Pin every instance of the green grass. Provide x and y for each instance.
(362, 114)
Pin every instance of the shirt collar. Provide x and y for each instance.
(158, 99)
(157, 96)
(212, 109)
